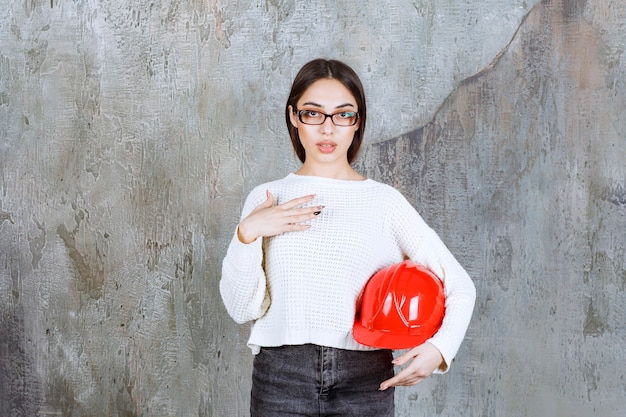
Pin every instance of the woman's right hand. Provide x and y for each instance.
(268, 219)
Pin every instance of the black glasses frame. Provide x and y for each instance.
(326, 116)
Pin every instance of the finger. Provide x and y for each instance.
(402, 359)
(269, 202)
(297, 201)
(391, 382)
(385, 385)
(303, 218)
(304, 213)
(294, 227)
(404, 378)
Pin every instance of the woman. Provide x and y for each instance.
(303, 251)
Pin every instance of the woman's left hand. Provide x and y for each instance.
(426, 358)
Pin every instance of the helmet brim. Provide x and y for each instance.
(386, 340)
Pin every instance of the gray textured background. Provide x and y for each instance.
(131, 132)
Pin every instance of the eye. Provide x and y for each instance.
(310, 113)
(346, 115)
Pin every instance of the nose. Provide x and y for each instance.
(328, 126)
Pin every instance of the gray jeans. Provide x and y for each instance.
(310, 380)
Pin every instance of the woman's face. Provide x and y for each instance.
(327, 143)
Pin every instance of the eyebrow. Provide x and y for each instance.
(311, 103)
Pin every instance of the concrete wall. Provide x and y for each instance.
(130, 132)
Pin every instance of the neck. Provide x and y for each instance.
(339, 173)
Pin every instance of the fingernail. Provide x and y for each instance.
(317, 213)
(319, 210)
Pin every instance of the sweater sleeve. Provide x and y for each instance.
(243, 285)
(422, 245)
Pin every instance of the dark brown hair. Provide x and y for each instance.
(316, 70)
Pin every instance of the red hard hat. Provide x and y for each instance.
(402, 306)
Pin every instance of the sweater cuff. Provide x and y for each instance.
(243, 254)
(447, 354)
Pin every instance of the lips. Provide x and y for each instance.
(326, 146)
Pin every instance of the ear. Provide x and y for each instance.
(292, 117)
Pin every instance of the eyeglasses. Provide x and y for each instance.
(313, 117)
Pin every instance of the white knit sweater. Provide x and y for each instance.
(302, 287)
